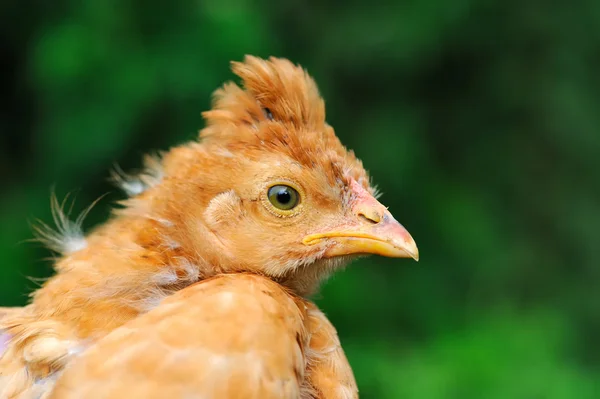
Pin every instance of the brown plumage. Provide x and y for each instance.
(235, 231)
(186, 351)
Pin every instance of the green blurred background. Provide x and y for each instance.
(478, 119)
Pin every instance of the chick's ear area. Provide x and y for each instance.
(223, 210)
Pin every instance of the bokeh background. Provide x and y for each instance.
(478, 119)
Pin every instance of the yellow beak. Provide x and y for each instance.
(371, 230)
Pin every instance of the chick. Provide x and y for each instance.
(268, 191)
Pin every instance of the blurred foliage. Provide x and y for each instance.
(478, 119)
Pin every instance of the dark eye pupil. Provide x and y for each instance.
(284, 197)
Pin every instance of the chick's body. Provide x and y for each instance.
(199, 343)
(199, 284)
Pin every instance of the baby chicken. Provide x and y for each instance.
(211, 260)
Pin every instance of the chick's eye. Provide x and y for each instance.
(283, 197)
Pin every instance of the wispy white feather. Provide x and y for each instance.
(135, 184)
(67, 236)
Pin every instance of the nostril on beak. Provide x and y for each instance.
(370, 215)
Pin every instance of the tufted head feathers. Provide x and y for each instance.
(280, 110)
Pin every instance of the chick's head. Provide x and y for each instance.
(270, 189)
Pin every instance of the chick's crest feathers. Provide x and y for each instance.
(274, 90)
(279, 109)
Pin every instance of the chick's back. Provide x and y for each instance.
(232, 336)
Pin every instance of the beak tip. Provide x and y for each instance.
(414, 255)
(410, 247)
